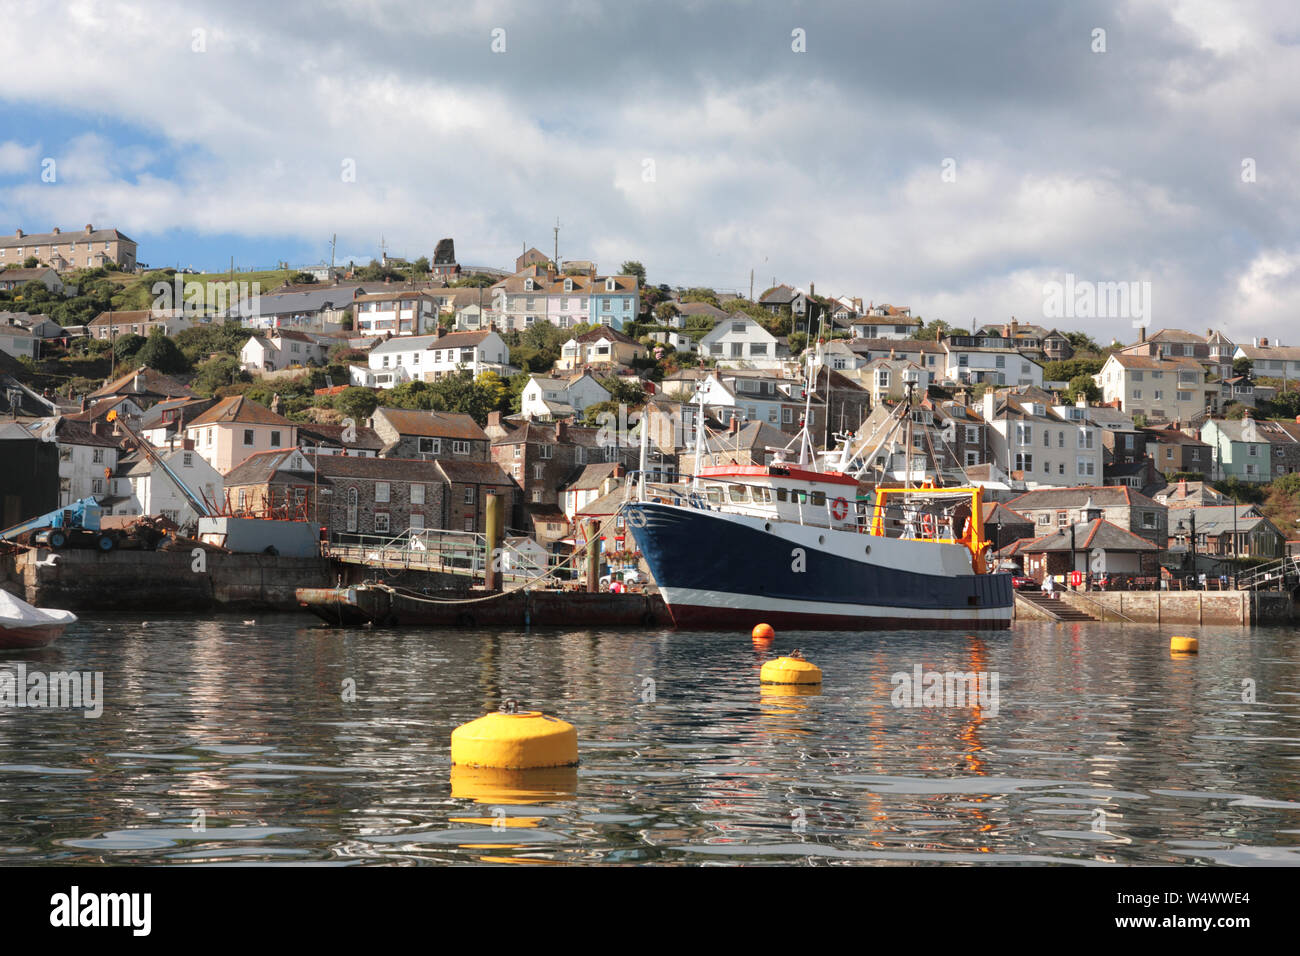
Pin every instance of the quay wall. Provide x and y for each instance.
(85, 581)
(1232, 608)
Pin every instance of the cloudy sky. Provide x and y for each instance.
(950, 156)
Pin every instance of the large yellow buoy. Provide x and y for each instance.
(762, 632)
(1183, 645)
(515, 739)
(791, 669)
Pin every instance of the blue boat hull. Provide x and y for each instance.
(719, 570)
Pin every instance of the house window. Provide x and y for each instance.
(580, 455)
(538, 471)
(972, 458)
(1253, 451)
(381, 491)
(1148, 519)
(469, 495)
(188, 459)
(417, 494)
(96, 486)
(519, 451)
(381, 521)
(469, 522)
(546, 451)
(787, 415)
(275, 439)
(460, 448)
(1087, 468)
(97, 456)
(248, 436)
(1024, 462)
(1024, 434)
(430, 446)
(1045, 519)
(1047, 438)
(972, 435)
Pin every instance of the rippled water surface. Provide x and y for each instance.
(224, 741)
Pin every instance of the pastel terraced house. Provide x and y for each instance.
(235, 428)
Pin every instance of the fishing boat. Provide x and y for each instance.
(795, 545)
(25, 626)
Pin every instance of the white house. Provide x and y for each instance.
(398, 313)
(753, 398)
(548, 397)
(740, 342)
(154, 492)
(425, 358)
(1160, 389)
(282, 348)
(87, 457)
(677, 341)
(1030, 441)
(969, 365)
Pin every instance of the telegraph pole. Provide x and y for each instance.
(556, 230)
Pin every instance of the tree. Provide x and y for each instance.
(1082, 342)
(701, 295)
(627, 391)
(1070, 369)
(356, 403)
(125, 347)
(420, 267)
(302, 278)
(633, 268)
(1242, 366)
(666, 311)
(161, 353)
(31, 262)
(1083, 386)
(930, 331)
(218, 372)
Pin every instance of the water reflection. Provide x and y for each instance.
(223, 743)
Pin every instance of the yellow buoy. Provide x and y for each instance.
(763, 632)
(791, 669)
(1183, 645)
(514, 739)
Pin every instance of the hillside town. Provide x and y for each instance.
(402, 395)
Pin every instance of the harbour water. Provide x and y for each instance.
(284, 742)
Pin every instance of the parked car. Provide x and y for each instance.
(1020, 582)
(628, 578)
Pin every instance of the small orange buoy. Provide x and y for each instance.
(763, 632)
(1183, 645)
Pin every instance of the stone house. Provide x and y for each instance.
(415, 433)
(1052, 508)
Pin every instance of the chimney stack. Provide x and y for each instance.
(55, 231)
(89, 228)
(494, 420)
(442, 330)
(18, 234)
(561, 432)
(1142, 333)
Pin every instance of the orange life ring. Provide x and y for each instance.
(927, 525)
(839, 509)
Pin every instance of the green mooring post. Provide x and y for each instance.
(593, 558)
(492, 575)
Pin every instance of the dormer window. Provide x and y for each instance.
(529, 285)
(609, 285)
(568, 285)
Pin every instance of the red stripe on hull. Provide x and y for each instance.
(39, 635)
(697, 617)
